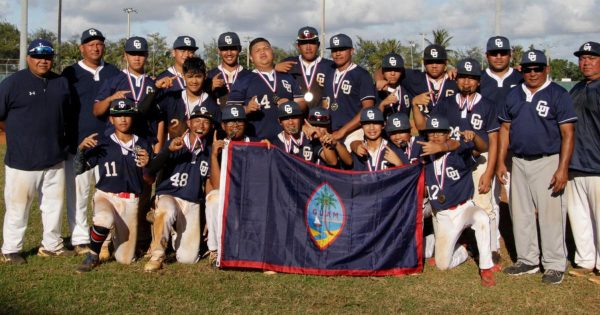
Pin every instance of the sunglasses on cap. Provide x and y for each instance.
(308, 36)
(536, 69)
(41, 50)
(320, 118)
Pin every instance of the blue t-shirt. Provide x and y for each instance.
(35, 112)
(344, 91)
(264, 123)
(535, 119)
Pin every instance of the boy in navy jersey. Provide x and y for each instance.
(119, 159)
(224, 76)
(392, 97)
(184, 47)
(181, 191)
(293, 140)
(85, 78)
(318, 127)
(309, 69)
(264, 89)
(499, 77)
(450, 189)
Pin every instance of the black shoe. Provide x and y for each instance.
(553, 276)
(90, 262)
(520, 268)
(13, 259)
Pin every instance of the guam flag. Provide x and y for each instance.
(283, 214)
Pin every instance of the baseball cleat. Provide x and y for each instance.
(42, 252)
(13, 259)
(487, 277)
(520, 268)
(553, 276)
(154, 264)
(90, 262)
(212, 259)
(496, 268)
(595, 278)
(81, 250)
(580, 272)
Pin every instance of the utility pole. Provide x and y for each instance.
(58, 35)
(422, 47)
(129, 11)
(322, 28)
(247, 40)
(412, 46)
(23, 33)
(497, 17)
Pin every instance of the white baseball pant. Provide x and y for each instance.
(449, 224)
(19, 190)
(486, 201)
(78, 192)
(185, 217)
(213, 222)
(429, 239)
(583, 207)
(112, 211)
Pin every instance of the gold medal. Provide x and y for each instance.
(441, 198)
(308, 96)
(334, 106)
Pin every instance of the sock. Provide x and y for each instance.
(97, 236)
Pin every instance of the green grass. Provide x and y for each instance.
(50, 286)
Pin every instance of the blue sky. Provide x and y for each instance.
(555, 25)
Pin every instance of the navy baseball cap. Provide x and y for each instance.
(136, 44)
(468, 66)
(589, 48)
(233, 112)
(497, 43)
(397, 122)
(185, 42)
(435, 52)
(122, 107)
(437, 123)
(228, 40)
(91, 34)
(201, 111)
(40, 47)
(392, 61)
(289, 109)
(319, 116)
(340, 41)
(307, 34)
(371, 115)
(534, 57)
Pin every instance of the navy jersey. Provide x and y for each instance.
(479, 115)
(344, 91)
(586, 100)
(309, 150)
(403, 105)
(174, 105)
(221, 95)
(311, 74)
(418, 82)
(535, 118)
(85, 83)
(116, 170)
(33, 110)
(185, 173)
(374, 161)
(178, 83)
(450, 175)
(409, 154)
(145, 126)
(495, 88)
(268, 89)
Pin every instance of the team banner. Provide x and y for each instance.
(283, 214)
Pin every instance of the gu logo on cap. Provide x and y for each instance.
(531, 55)
(121, 104)
(392, 61)
(435, 123)
(287, 108)
(434, 53)
(306, 33)
(336, 41)
(228, 40)
(396, 122)
(137, 44)
(203, 110)
(370, 114)
(187, 41)
(468, 66)
(587, 47)
(498, 43)
(234, 112)
(92, 32)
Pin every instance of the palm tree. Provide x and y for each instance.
(517, 53)
(441, 37)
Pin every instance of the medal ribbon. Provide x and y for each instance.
(290, 144)
(138, 96)
(430, 86)
(408, 149)
(178, 77)
(188, 144)
(309, 72)
(123, 145)
(341, 76)
(262, 76)
(398, 92)
(462, 103)
(441, 179)
(188, 108)
(374, 163)
(226, 76)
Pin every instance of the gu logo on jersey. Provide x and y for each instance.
(228, 40)
(370, 115)
(149, 89)
(346, 87)
(452, 173)
(435, 123)
(325, 216)
(468, 66)
(286, 85)
(336, 41)
(476, 121)
(307, 153)
(498, 43)
(137, 44)
(587, 47)
(321, 79)
(434, 53)
(531, 56)
(542, 108)
(187, 41)
(287, 108)
(203, 168)
(235, 112)
(392, 61)
(92, 32)
(396, 122)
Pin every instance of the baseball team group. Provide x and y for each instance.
(147, 149)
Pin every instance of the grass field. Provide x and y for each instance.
(50, 286)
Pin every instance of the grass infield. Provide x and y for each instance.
(51, 286)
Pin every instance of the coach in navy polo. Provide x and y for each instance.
(85, 78)
(33, 103)
(538, 125)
